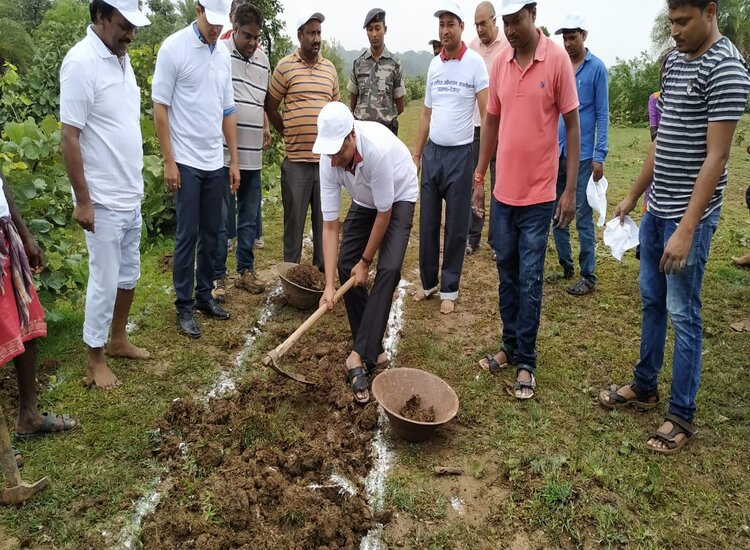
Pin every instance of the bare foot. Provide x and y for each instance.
(447, 306)
(98, 373)
(420, 295)
(126, 349)
(382, 359)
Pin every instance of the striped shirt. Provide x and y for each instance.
(304, 90)
(250, 82)
(711, 88)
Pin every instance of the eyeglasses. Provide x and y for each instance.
(483, 24)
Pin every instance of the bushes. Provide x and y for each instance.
(631, 82)
(415, 87)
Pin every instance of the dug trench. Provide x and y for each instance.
(279, 465)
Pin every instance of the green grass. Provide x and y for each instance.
(555, 472)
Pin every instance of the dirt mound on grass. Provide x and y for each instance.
(257, 470)
(307, 276)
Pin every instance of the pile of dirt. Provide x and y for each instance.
(413, 410)
(256, 471)
(307, 276)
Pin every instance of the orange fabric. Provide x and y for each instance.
(305, 91)
(12, 336)
(529, 103)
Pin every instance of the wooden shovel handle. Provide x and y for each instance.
(286, 345)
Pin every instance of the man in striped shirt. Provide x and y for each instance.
(704, 93)
(305, 82)
(250, 75)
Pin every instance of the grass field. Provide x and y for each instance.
(556, 472)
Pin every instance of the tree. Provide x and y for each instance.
(185, 11)
(631, 81)
(734, 23)
(164, 21)
(16, 46)
(33, 11)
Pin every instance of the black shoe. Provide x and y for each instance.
(212, 309)
(188, 324)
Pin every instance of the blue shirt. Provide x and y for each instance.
(593, 96)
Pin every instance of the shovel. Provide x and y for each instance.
(15, 491)
(274, 355)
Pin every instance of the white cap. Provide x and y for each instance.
(509, 7)
(572, 22)
(129, 10)
(302, 21)
(450, 7)
(217, 11)
(335, 122)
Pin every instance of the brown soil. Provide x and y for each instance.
(307, 276)
(246, 480)
(413, 410)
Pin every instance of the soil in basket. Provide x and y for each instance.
(413, 410)
(307, 276)
(256, 469)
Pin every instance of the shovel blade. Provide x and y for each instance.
(269, 361)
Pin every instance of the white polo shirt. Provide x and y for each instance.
(451, 92)
(385, 175)
(100, 97)
(196, 85)
(4, 207)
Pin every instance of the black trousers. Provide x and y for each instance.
(446, 176)
(368, 312)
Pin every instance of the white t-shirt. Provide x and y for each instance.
(385, 175)
(100, 97)
(196, 85)
(451, 92)
(4, 208)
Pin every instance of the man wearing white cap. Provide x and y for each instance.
(100, 110)
(593, 96)
(305, 81)
(376, 169)
(531, 85)
(456, 81)
(193, 108)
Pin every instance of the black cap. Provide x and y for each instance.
(375, 15)
(434, 42)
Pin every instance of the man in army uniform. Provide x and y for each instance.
(376, 86)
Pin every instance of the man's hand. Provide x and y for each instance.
(360, 272)
(83, 214)
(624, 208)
(234, 177)
(477, 200)
(171, 176)
(33, 253)
(566, 209)
(266, 137)
(328, 297)
(597, 170)
(675, 256)
(417, 162)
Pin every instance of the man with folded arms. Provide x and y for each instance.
(193, 108)
(376, 169)
(100, 110)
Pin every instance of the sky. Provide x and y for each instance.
(617, 29)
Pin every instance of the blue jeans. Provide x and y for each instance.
(520, 238)
(197, 202)
(680, 297)
(248, 202)
(584, 224)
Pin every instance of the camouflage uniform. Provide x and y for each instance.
(377, 84)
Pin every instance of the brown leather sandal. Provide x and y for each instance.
(679, 426)
(643, 400)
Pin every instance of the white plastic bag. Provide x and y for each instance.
(620, 238)
(596, 194)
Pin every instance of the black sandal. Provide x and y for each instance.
(490, 364)
(679, 426)
(643, 400)
(359, 382)
(520, 385)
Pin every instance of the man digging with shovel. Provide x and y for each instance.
(376, 169)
